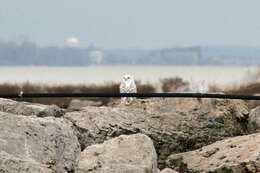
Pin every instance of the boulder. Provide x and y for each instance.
(253, 103)
(28, 109)
(76, 104)
(254, 120)
(51, 111)
(174, 124)
(32, 144)
(132, 153)
(168, 170)
(233, 155)
(12, 164)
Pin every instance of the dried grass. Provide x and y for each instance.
(175, 84)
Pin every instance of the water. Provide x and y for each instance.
(102, 74)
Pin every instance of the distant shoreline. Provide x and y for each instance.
(133, 65)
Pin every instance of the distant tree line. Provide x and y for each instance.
(29, 53)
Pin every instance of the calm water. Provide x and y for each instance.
(101, 74)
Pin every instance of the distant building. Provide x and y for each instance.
(96, 56)
(72, 42)
(180, 56)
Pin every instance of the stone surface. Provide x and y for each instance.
(254, 103)
(12, 164)
(254, 120)
(132, 154)
(168, 170)
(76, 104)
(40, 142)
(32, 144)
(174, 125)
(29, 109)
(233, 155)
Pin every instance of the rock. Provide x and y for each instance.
(13, 164)
(233, 155)
(51, 111)
(32, 144)
(77, 104)
(168, 170)
(132, 153)
(254, 120)
(253, 103)
(28, 109)
(175, 125)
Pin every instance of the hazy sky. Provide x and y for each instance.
(132, 23)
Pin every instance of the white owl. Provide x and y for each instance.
(127, 86)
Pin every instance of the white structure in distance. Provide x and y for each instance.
(72, 42)
(96, 56)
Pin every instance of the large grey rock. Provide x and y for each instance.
(132, 154)
(168, 170)
(174, 125)
(254, 103)
(51, 111)
(76, 104)
(254, 120)
(234, 155)
(32, 144)
(12, 164)
(28, 109)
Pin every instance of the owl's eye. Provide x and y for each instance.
(128, 77)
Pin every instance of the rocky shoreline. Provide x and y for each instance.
(151, 136)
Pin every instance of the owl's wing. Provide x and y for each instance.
(122, 88)
(132, 89)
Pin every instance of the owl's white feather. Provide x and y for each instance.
(127, 86)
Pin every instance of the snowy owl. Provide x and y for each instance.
(127, 86)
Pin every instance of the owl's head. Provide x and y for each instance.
(128, 77)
